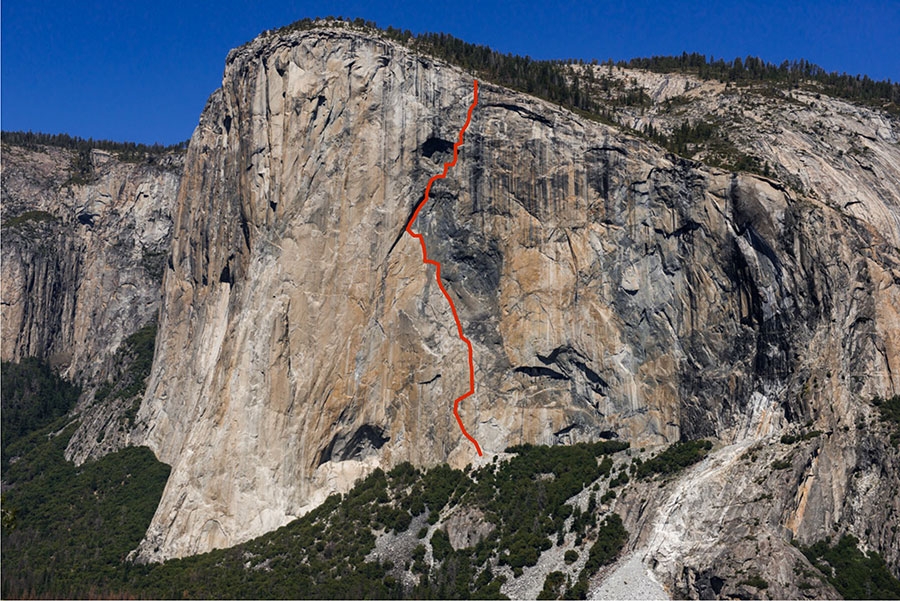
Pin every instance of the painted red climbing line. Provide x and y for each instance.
(437, 273)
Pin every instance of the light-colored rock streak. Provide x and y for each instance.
(688, 522)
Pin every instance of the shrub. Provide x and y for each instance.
(791, 439)
(675, 458)
(323, 554)
(619, 480)
(29, 218)
(755, 581)
(890, 414)
(552, 585)
(440, 545)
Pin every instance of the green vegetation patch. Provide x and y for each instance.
(855, 575)
(674, 459)
(553, 586)
(126, 151)
(154, 264)
(793, 438)
(788, 74)
(133, 361)
(81, 168)
(31, 397)
(755, 581)
(890, 414)
(29, 218)
(526, 496)
(611, 538)
(67, 530)
(707, 137)
(781, 464)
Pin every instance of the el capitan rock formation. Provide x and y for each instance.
(610, 289)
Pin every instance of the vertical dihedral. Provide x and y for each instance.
(437, 267)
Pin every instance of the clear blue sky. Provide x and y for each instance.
(141, 71)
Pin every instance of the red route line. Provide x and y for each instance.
(437, 273)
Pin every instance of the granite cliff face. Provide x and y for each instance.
(610, 289)
(83, 260)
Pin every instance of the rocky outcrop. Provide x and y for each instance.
(610, 290)
(83, 260)
(731, 519)
(842, 154)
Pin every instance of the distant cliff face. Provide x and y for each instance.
(82, 266)
(610, 289)
(840, 154)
